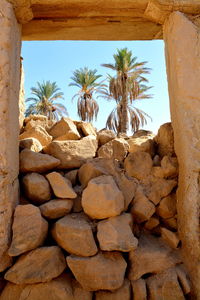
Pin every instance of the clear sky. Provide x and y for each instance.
(56, 60)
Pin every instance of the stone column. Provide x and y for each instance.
(10, 47)
(182, 46)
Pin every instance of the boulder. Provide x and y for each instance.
(171, 223)
(72, 176)
(169, 166)
(88, 171)
(151, 256)
(104, 136)
(142, 209)
(5, 262)
(31, 144)
(123, 293)
(116, 148)
(143, 144)
(30, 161)
(72, 154)
(139, 289)
(77, 206)
(61, 186)
(104, 271)
(167, 207)
(38, 133)
(138, 165)
(115, 234)
(86, 128)
(65, 129)
(36, 188)
(29, 229)
(102, 198)
(12, 291)
(152, 223)
(74, 234)
(39, 265)
(165, 140)
(79, 293)
(56, 208)
(183, 279)
(34, 120)
(171, 238)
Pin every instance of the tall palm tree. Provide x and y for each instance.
(128, 85)
(86, 80)
(43, 101)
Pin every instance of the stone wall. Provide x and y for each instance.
(97, 217)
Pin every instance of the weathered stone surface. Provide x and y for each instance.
(86, 128)
(31, 144)
(102, 198)
(122, 293)
(104, 136)
(139, 289)
(65, 129)
(171, 223)
(12, 291)
(36, 162)
(88, 171)
(56, 208)
(138, 165)
(143, 143)
(74, 234)
(61, 186)
(152, 223)
(151, 256)
(29, 229)
(183, 279)
(165, 286)
(39, 133)
(73, 154)
(72, 176)
(169, 166)
(165, 140)
(114, 234)
(171, 238)
(5, 262)
(104, 271)
(36, 187)
(116, 148)
(167, 207)
(79, 293)
(33, 121)
(39, 265)
(77, 206)
(142, 208)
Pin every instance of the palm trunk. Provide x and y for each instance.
(124, 121)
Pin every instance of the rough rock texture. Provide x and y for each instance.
(143, 144)
(39, 265)
(72, 154)
(39, 133)
(167, 207)
(88, 171)
(165, 140)
(171, 238)
(122, 293)
(114, 234)
(72, 176)
(65, 129)
(139, 289)
(61, 186)
(31, 144)
(74, 234)
(86, 128)
(36, 187)
(104, 271)
(37, 162)
(29, 229)
(12, 291)
(116, 148)
(56, 208)
(138, 164)
(102, 198)
(104, 136)
(33, 121)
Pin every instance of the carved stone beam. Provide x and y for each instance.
(23, 10)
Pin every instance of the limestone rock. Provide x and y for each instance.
(139, 289)
(36, 162)
(143, 144)
(34, 120)
(152, 223)
(171, 238)
(29, 229)
(12, 291)
(116, 148)
(104, 271)
(31, 144)
(79, 293)
(167, 207)
(165, 140)
(56, 208)
(114, 234)
(183, 279)
(138, 165)
(72, 176)
(39, 265)
(88, 171)
(5, 262)
(122, 293)
(77, 206)
(36, 187)
(171, 223)
(86, 128)
(65, 129)
(151, 256)
(104, 136)
(102, 198)
(74, 234)
(142, 208)
(169, 166)
(39, 133)
(72, 154)
(61, 186)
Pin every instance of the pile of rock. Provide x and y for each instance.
(97, 216)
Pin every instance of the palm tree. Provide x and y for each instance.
(128, 85)
(86, 80)
(43, 101)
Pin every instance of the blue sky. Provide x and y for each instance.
(56, 60)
